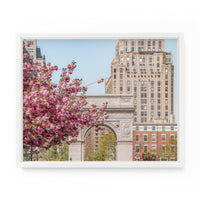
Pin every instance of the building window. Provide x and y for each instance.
(137, 128)
(166, 95)
(163, 137)
(166, 70)
(158, 107)
(158, 58)
(159, 43)
(153, 137)
(145, 137)
(132, 42)
(143, 60)
(132, 49)
(121, 70)
(153, 128)
(166, 76)
(135, 82)
(158, 95)
(166, 101)
(128, 89)
(153, 43)
(166, 107)
(152, 95)
(166, 114)
(145, 128)
(153, 148)
(166, 82)
(121, 76)
(153, 49)
(158, 64)
(114, 76)
(128, 82)
(30, 42)
(126, 49)
(127, 64)
(172, 137)
(152, 107)
(146, 148)
(158, 114)
(30, 50)
(121, 88)
(142, 43)
(126, 43)
(137, 137)
(163, 148)
(169, 59)
(172, 148)
(158, 83)
(121, 82)
(150, 59)
(149, 43)
(135, 89)
(135, 119)
(137, 148)
(166, 89)
(140, 59)
(114, 69)
(135, 95)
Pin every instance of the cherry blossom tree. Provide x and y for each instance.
(54, 113)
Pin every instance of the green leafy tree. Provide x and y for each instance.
(170, 151)
(107, 148)
(55, 153)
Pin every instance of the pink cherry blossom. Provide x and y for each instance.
(106, 133)
(53, 112)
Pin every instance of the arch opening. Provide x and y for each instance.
(100, 144)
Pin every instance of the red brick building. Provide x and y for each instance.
(155, 142)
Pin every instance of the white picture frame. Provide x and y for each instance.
(98, 164)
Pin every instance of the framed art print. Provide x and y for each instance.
(100, 100)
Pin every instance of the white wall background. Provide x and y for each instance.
(103, 16)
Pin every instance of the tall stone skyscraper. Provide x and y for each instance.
(142, 68)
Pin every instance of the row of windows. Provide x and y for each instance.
(145, 83)
(137, 148)
(141, 42)
(153, 137)
(141, 49)
(144, 101)
(153, 128)
(143, 59)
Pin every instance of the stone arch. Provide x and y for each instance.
(120, 110)
(107, 124)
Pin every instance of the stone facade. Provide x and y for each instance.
(143, 69)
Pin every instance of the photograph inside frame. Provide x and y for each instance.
(100, 100)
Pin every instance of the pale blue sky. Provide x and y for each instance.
(93, 58)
